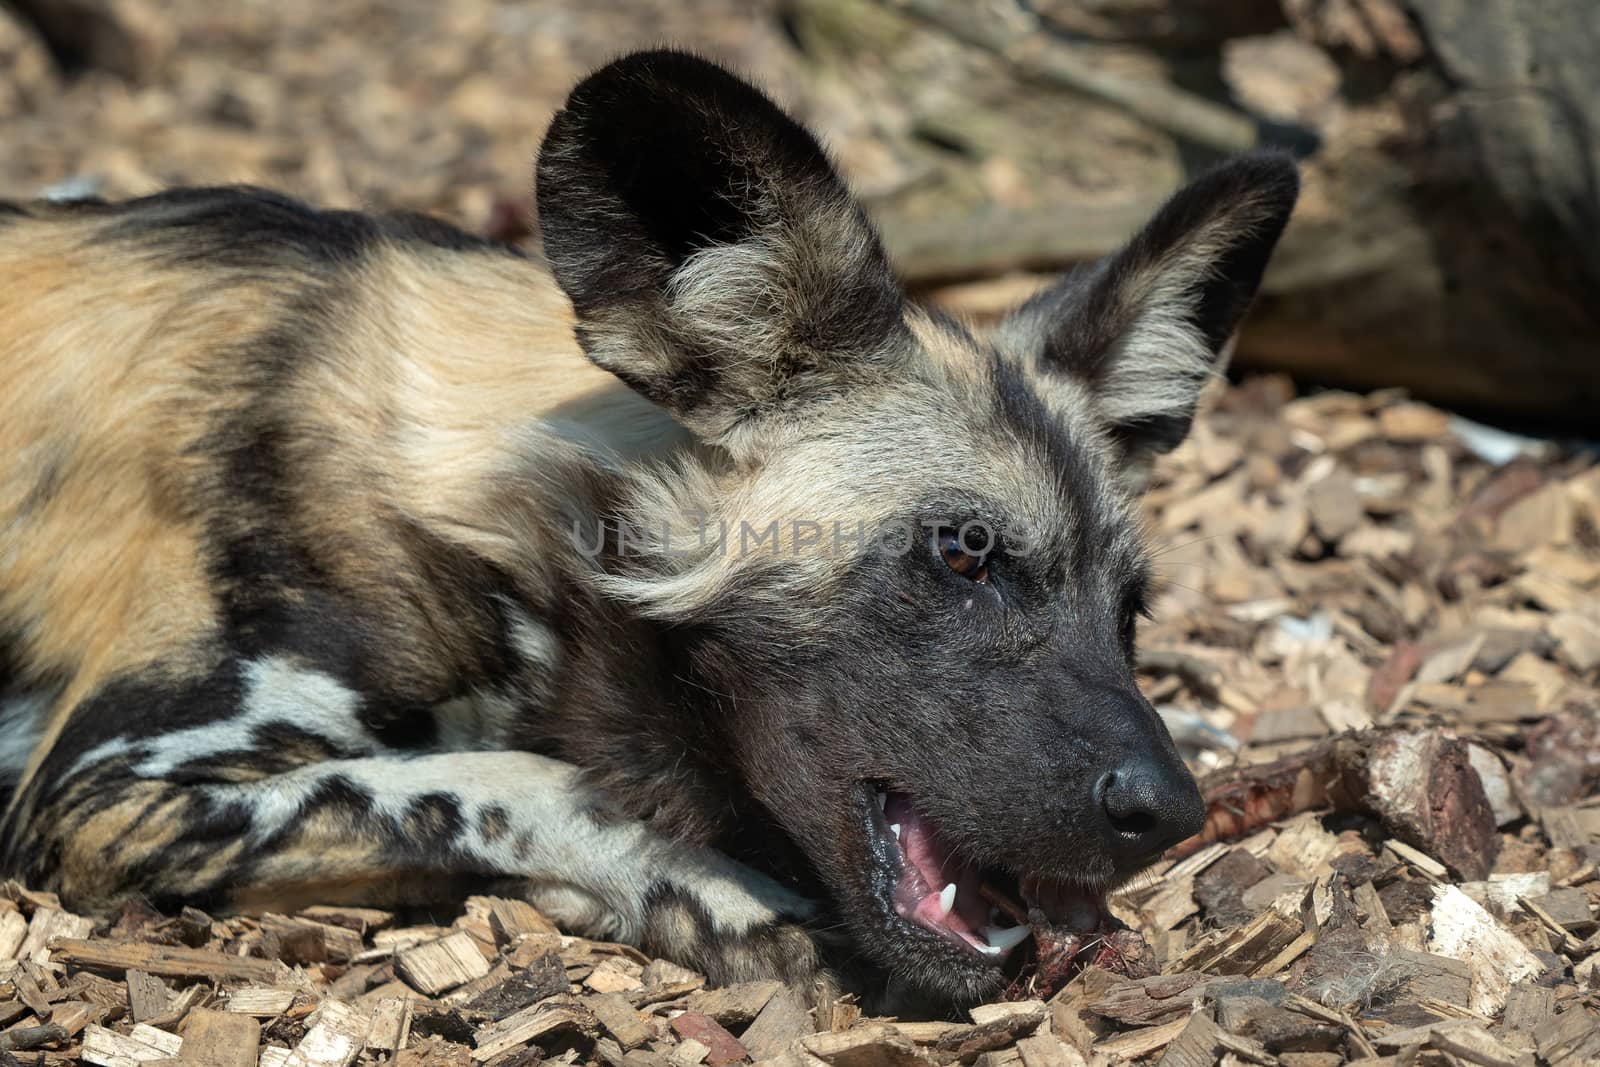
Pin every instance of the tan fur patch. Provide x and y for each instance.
(101, 558)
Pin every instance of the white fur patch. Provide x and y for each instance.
(277, 691)
(535, 642)
(592, 874)
(1163, 360)
(22, 722)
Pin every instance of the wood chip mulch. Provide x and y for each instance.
(1379, 635)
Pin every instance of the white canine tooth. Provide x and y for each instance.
(1007, 939)
(988, 950)
(947, 899)
(894, 828)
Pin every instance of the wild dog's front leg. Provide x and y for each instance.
(390, 825)
(526, 816)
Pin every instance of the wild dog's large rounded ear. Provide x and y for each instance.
(715, 260)
(1142, 329)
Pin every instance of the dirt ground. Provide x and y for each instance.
(1378, 636)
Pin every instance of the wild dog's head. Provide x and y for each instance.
(919, 619)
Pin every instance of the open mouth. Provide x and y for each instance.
(987, 910)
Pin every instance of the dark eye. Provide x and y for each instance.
(1137, 608)
(966, 560)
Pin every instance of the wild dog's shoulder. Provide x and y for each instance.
(244, 226)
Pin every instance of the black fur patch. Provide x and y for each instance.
(245, 227)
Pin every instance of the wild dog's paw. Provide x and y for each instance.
(706, 911)
(680, 926)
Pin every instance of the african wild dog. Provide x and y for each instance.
(304, 594)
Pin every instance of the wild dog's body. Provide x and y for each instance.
(299, 594)
(289, 580)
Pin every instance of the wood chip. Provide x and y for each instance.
(304, 940)
(337, 1036)
(391, 1025)
(734, 1005)
(1198, 1044)
(47, 925)
(13, 930)
(263, 1001)
(620, 1019)
(529, 1024)
(1461, 929)
(783, 1021)
(107, 1048)
(511, 919)
(434, 967)
(1047, 1050)
(219, 1039)
(148, 996)
(1139, 1043)
(865, 1046)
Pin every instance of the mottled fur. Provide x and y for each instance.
(343, 556)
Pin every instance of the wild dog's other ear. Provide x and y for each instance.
(716, 261)
(1142, 330)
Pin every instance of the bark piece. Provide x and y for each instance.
(613, 976)
(995, 1027)
(1149, 1001)
(1420, 783)
(546, 977)
(169, 961)
(1335, 507)
(721, 1047)
(1474, 1044)
(1577, 640)
(689, 1053)
(1220, 888)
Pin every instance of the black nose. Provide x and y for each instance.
(1147, 806)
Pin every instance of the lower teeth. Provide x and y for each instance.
(1006, 939)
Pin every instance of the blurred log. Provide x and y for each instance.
(1445, 240)
(1035, 53)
